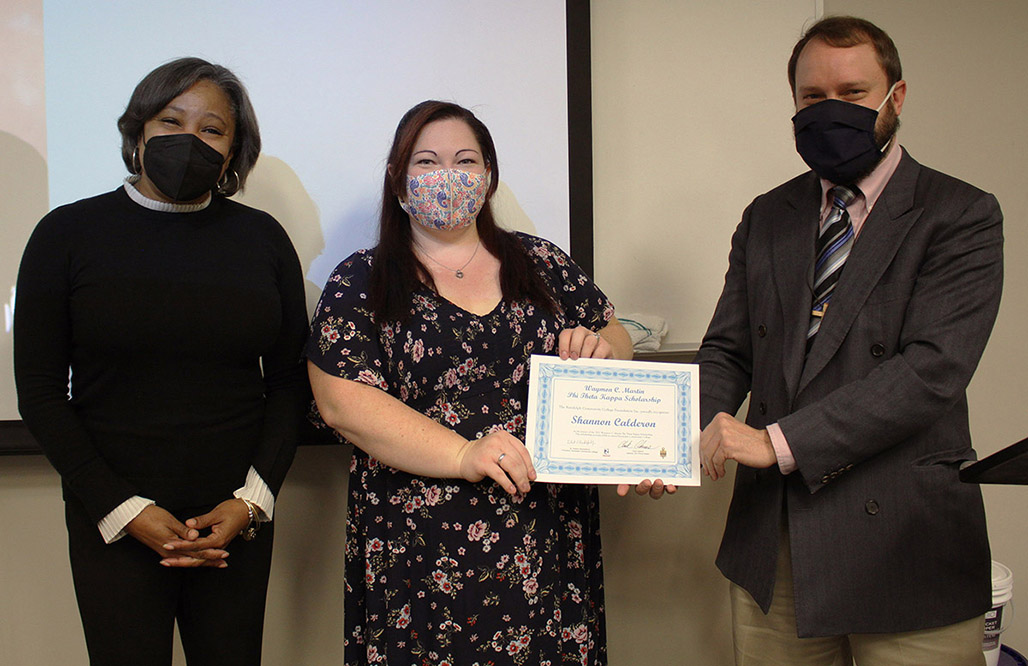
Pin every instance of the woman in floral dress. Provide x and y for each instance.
(419, 356)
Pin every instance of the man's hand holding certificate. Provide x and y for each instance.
(613, 422)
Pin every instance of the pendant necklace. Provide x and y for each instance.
(459, 272)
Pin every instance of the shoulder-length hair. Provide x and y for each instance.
(170, 80)
(397, 272)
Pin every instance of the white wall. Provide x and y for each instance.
(329, 81)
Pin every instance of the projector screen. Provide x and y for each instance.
(329, 81)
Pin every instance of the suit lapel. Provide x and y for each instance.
(873, 251)
(792, 243)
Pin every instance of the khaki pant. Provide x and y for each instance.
(771, 639)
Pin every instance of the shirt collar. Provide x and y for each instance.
(872, 185)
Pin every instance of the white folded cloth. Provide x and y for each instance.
(646, 330)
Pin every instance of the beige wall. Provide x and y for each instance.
(963, 115)
(680, 147)
(691, 116)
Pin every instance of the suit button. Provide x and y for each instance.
(762, 407)
(762, 330)
(871, 507)
(877, 350)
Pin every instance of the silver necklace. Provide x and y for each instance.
(459, 272)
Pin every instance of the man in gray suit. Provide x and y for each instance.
(854, 318)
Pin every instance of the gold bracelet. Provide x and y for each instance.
(250, 531)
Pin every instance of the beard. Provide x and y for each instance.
(885, 131)
(886, 127)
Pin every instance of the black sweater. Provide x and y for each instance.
(183, 333)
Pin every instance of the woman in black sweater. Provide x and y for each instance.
(180, 316)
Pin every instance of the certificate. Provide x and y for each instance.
(604, 421)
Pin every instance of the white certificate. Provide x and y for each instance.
(604, 421)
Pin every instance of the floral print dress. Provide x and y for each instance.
(443, 571)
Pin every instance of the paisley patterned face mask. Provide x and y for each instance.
(446, 198)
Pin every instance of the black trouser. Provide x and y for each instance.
(129, 602)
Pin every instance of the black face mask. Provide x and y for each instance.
(837, 139)
(182, 166)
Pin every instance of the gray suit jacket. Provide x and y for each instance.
(884, 536)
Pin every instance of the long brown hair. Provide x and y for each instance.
(397, 272)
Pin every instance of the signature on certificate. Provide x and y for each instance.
(637, 445)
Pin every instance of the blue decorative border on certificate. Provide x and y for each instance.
(682, 381)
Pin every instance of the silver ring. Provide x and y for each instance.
(500, 459)
(596, 335)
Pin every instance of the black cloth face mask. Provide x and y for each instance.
(182, 166)
(837, 139)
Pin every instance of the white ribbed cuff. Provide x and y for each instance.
(112, 526)
(258, 492)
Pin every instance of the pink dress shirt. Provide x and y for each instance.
(870, 189)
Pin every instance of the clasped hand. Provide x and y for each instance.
(180, 544)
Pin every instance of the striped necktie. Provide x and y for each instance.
(833, 247)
